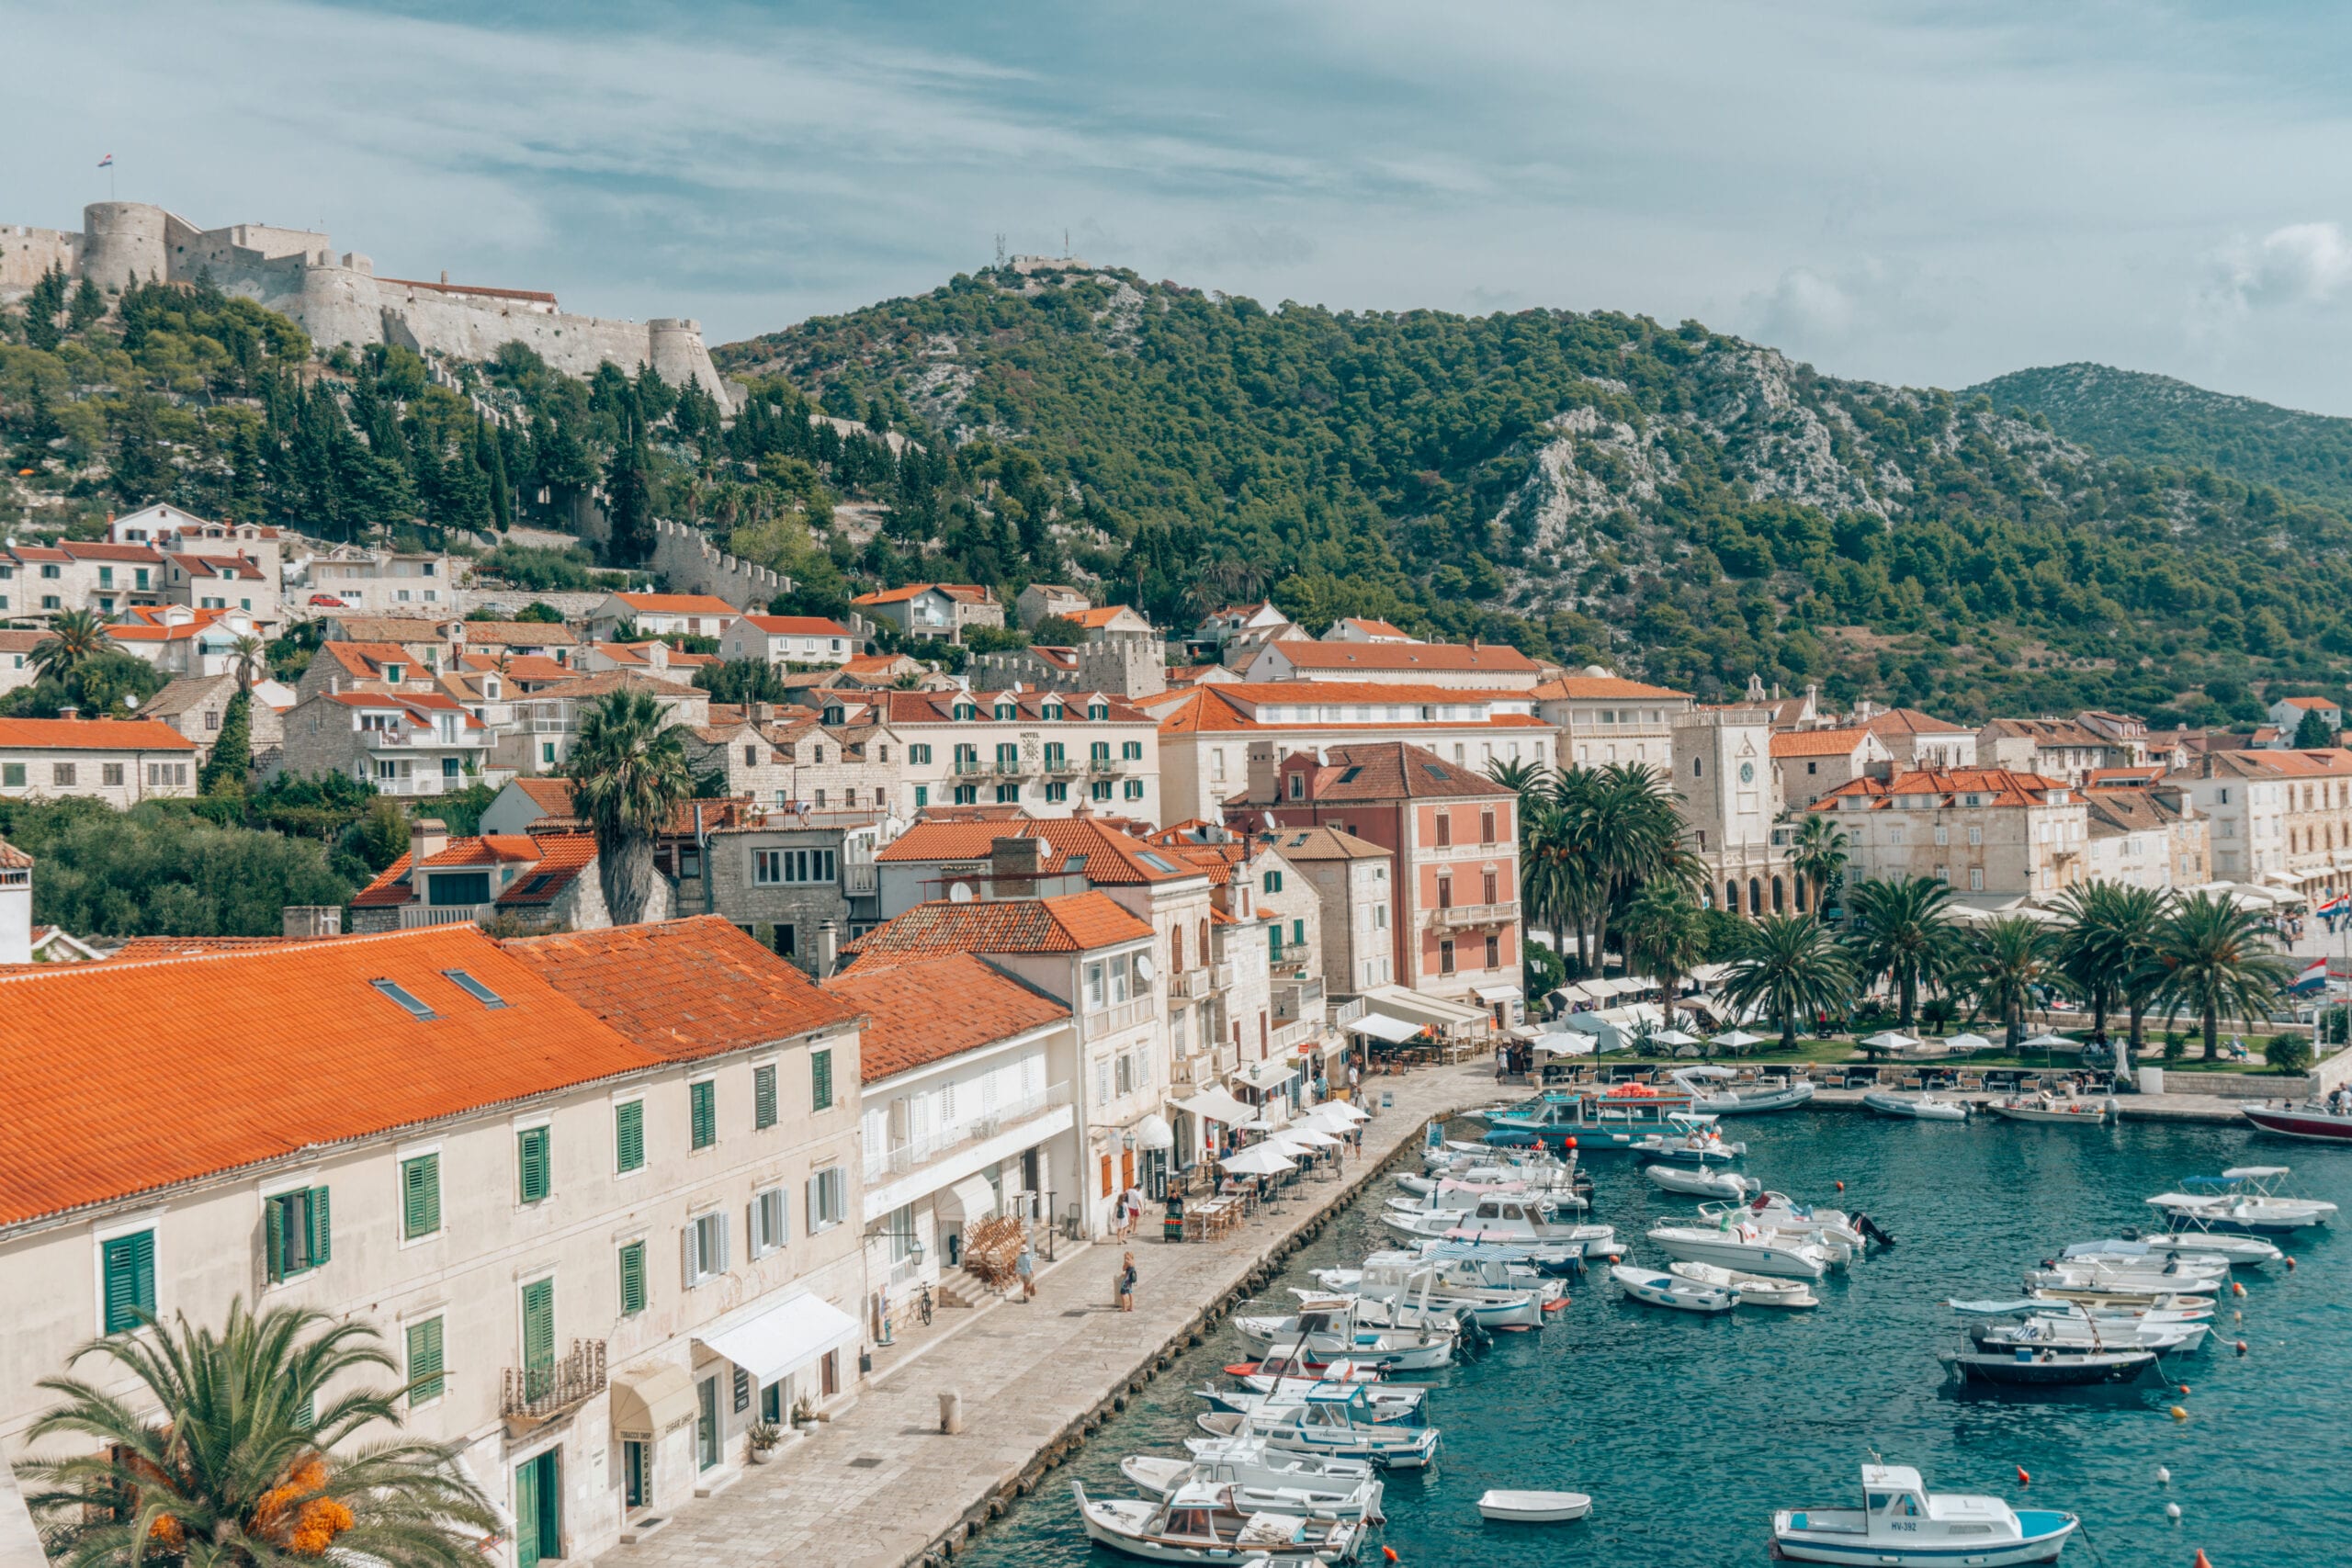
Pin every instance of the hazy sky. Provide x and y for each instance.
(1910, 192)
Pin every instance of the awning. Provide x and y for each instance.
(1439, 1010)
(1268, 1075)
(779, 1340)
(1216, 1105)
(1154, 1133)
(650, 1400)
(1498, 993)
(970, 1199)
(1380, 1026)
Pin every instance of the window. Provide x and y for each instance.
(474, 988)
(1099, 790)
(922, 795)
(1445, 892)
(61, 772)
(702, 1113)
(445, 889)
(1487, 827)
(1274, 943)
(538, 1334)
(1444, 828)
(1298, 933)
(111, 773)
(918, 751)
(970, 795)
(1132, 789)
(1055, 793)
(426, 1382)
(420, 1197)
(49, 602)
(1943, 834)
(1976, 835)
(768, 1224)
(705, 1242)
(1493, 953)
(1488, 886)
(1008, 794)
(532, 1176)
(1299, 786)
(1100, 751)
(1131, 750)
(629, 1136)
(1977, 879)
(49, 570)
(767, 866)
(1096, 997)
(12, 774)
(126, 1264)
(828, 1199)
(416, 1009)
(1445, 957)
(821, 1080)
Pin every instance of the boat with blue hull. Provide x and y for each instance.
(1619, 1117)
(1901, 1523)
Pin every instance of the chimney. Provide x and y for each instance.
(444, 275)
(829, 939)
(69, 711)
(763, 713)
(313, 920)
(427, 837)
(1265, 774)
(1016, 860)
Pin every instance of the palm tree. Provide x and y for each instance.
(2138, 916)
(224, 1456)
(1664, 936)
(1904, 931)
(2105, 944)
(628, 774)
(74, 639)
(248, 651)
(2215, 956)
(1521, 779)
(1789, 967)
(1621, 820)
(1819, 855)
(2005, 960)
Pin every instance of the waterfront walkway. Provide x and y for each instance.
(878, 1485)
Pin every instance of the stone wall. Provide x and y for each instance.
(690, 563)
(25, 253)
(1122, 667)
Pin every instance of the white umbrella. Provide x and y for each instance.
(2046, 1039)
(1324, 1118)
(1675, 1037)
(1305, 1137)
(1259, 1123)
(1737, 1039)
(1345, 1108)
(1968, 1043)
(1890, 1040)
(1154, 1133)
(1263, 1159)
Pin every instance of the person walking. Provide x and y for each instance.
(1127, 1282)
(1025, 1268)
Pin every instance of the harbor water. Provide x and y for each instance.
(1689, 1431)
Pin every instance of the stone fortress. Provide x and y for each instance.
(338, 298)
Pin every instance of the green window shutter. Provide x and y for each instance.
(1274, 942)
(763, 1096)
(539, 1325)
(628, 1136)
(1298, 933)
(702, 1102)
(128, 1264)
(420, 1196)
(274, 1236)
(320, 1239)
(632, 1279)
(532, 1152)
(526, 1515)
(424, 1360)
(820, 1079)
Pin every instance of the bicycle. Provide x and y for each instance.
(923, 1306)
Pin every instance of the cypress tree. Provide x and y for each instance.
(233, 755)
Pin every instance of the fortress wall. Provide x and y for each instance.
(25, 253)
(691, 564)
(123, 241)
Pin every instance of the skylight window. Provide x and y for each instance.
(416, 1009)
(1435, 772)
(474, 987)
(1154, 861)
(1350, 776)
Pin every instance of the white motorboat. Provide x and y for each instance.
(2194, 1270)
(1387, 1307)
(1386, 1403)
(1690, 1139)
(1265, 1480)
(2246, 1199)
(1505, 1219)
(1451, 1288)
(1330, 1336)
(2055, 1306)
(1754, 1290)
(2238, 1251)
(1745, 1248)
(1332, 1427)
(1916, 1107)
(1840, 1232)
(1453, 1196)
(2079, 1284)
(2083, 1333)
(1534, 1507)
(2313, 1119)
(1741, 1099)
(1452, 1273)
(2073, 1112)
(1202, 1523)
(1671, 1289)
(1900, 1522)
(2127, 1298)
(1702, 1183)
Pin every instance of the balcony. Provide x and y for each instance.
(1124, 1015)
(1347, 1013)
(969, 767)
(1105, 765)
(533, 1396)
(1298, 996)
(1057, 763)
(1297, 1036)
(1475, 915)
(860, 880)
(415, 915)
(1189, 985)
(1010, 765)
(882, 1165)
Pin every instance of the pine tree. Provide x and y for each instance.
(2313, 733)
(233, 754)
(87, 307)
(42, 306)
(628, 502)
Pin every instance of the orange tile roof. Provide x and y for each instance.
(526, 634)
(1572, 687)
(678, 603)
(87, 549)
(1405, 656)
(2001, 787)
(1098, 615)
(365, 660)
(939, 708)
(556, 860)
(1078, 922)
(551, 795)
(1236, 705)
(336, 1061)
(12, 858)
(91, 735)
(605, 680)
(1373, 628)
(906, 1027)
(2311, 705)
(1817, 742)
(1911, 721)
(240, 567)
(1387, 769)
(683, 989)
(799, 625)
(1111, 858)
(536, 668)
(143, 949)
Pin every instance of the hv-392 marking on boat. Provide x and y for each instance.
(1901, 1523)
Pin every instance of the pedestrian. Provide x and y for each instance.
(1127, 1282)
(1133, 1197)
(1025, 1266)
(1356, 1076)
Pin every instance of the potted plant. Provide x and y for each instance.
(803, 1412)
(764, 1436)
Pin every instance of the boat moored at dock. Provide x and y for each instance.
(1900, 1522)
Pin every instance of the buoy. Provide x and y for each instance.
(2172, 1511)
(2290, 1260)
(2023, 1479)
(2237, 1289)
(2241, 1347)
(2184, 1388)
(1566, 1143)
(1389, 1553)
(2164, 1475)
(1841, 1187)
(2178, 1414)
(2237, 1317)
(2200, 1562)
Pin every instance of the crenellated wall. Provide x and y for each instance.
(690, 563)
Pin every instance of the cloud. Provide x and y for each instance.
(1810, 312)
(2300, 264)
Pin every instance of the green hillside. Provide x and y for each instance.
(2154, 419)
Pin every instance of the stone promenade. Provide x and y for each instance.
(879, 1486)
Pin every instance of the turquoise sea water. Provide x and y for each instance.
(1689, 1431)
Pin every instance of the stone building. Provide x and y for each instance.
(1352, 878)
(120, 762)
(1812, 762)
(1604, 719)
(1731, 805)
(1980, 831)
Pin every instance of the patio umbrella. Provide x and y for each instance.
(1324, 1118)
(1890, 1040)
(1968, 1043)
(1344, 1107)
(1259, 1123)
(1675, 1037)
(2045, 1041)
(1261, 1159)
(1737, 1039)
(1305, 1137)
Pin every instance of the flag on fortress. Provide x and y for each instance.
(106, 161)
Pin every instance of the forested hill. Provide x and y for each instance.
(1683, 503)
(2129, 414)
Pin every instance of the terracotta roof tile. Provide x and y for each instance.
(1818, 742)
(1077, 923)
(91, 735)
(907, 1027)
(1391, 770)
(1407, 656)
(679, 605)
(799, 625)
(1111, 858)
(1572, 687)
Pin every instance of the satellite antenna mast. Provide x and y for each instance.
(1065, 244)
(1000, 253)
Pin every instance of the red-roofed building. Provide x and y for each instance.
(403, 743)
(120, 762)
(1604, 719)
(2280, 818)
(788, 639)
(661, 615)
(2287, 713)
(1988, 832)
(536, 879)
(933, 609)
(1470, 667)
(1812, 762)
(566, 1188)
(1357, 629)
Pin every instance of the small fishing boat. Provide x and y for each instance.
(2064, 1112)
(1534, 1507)
(1507, 1219)
(2117, 1283)
(1916, 1107)
(2238, 1251)
(1522, 1265)
(2051, 1306)
(1900, 1522)
(2083, 1333)
(1745, 1248)
(2049, 1366)
(1265, 1480)
(1385, 1403)
(1456, 1197)
(1615, 1117)
(1754, 1290)
(1451, 1288)
(1333, 1425)
(1328, 1336)
(1845, 1235)
(1702, 1183)
(2194, 1270)
(2313, 1120)
(1202, 1523)
(1690, 1139)
(2128, 1299)
(1741, 1099)
(1671, 1289)
(1264, 1374)
(2243, 1199)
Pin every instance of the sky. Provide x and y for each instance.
(1922, 193)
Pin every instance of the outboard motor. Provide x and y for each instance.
(1869, 1227)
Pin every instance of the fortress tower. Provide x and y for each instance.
(123, 242)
